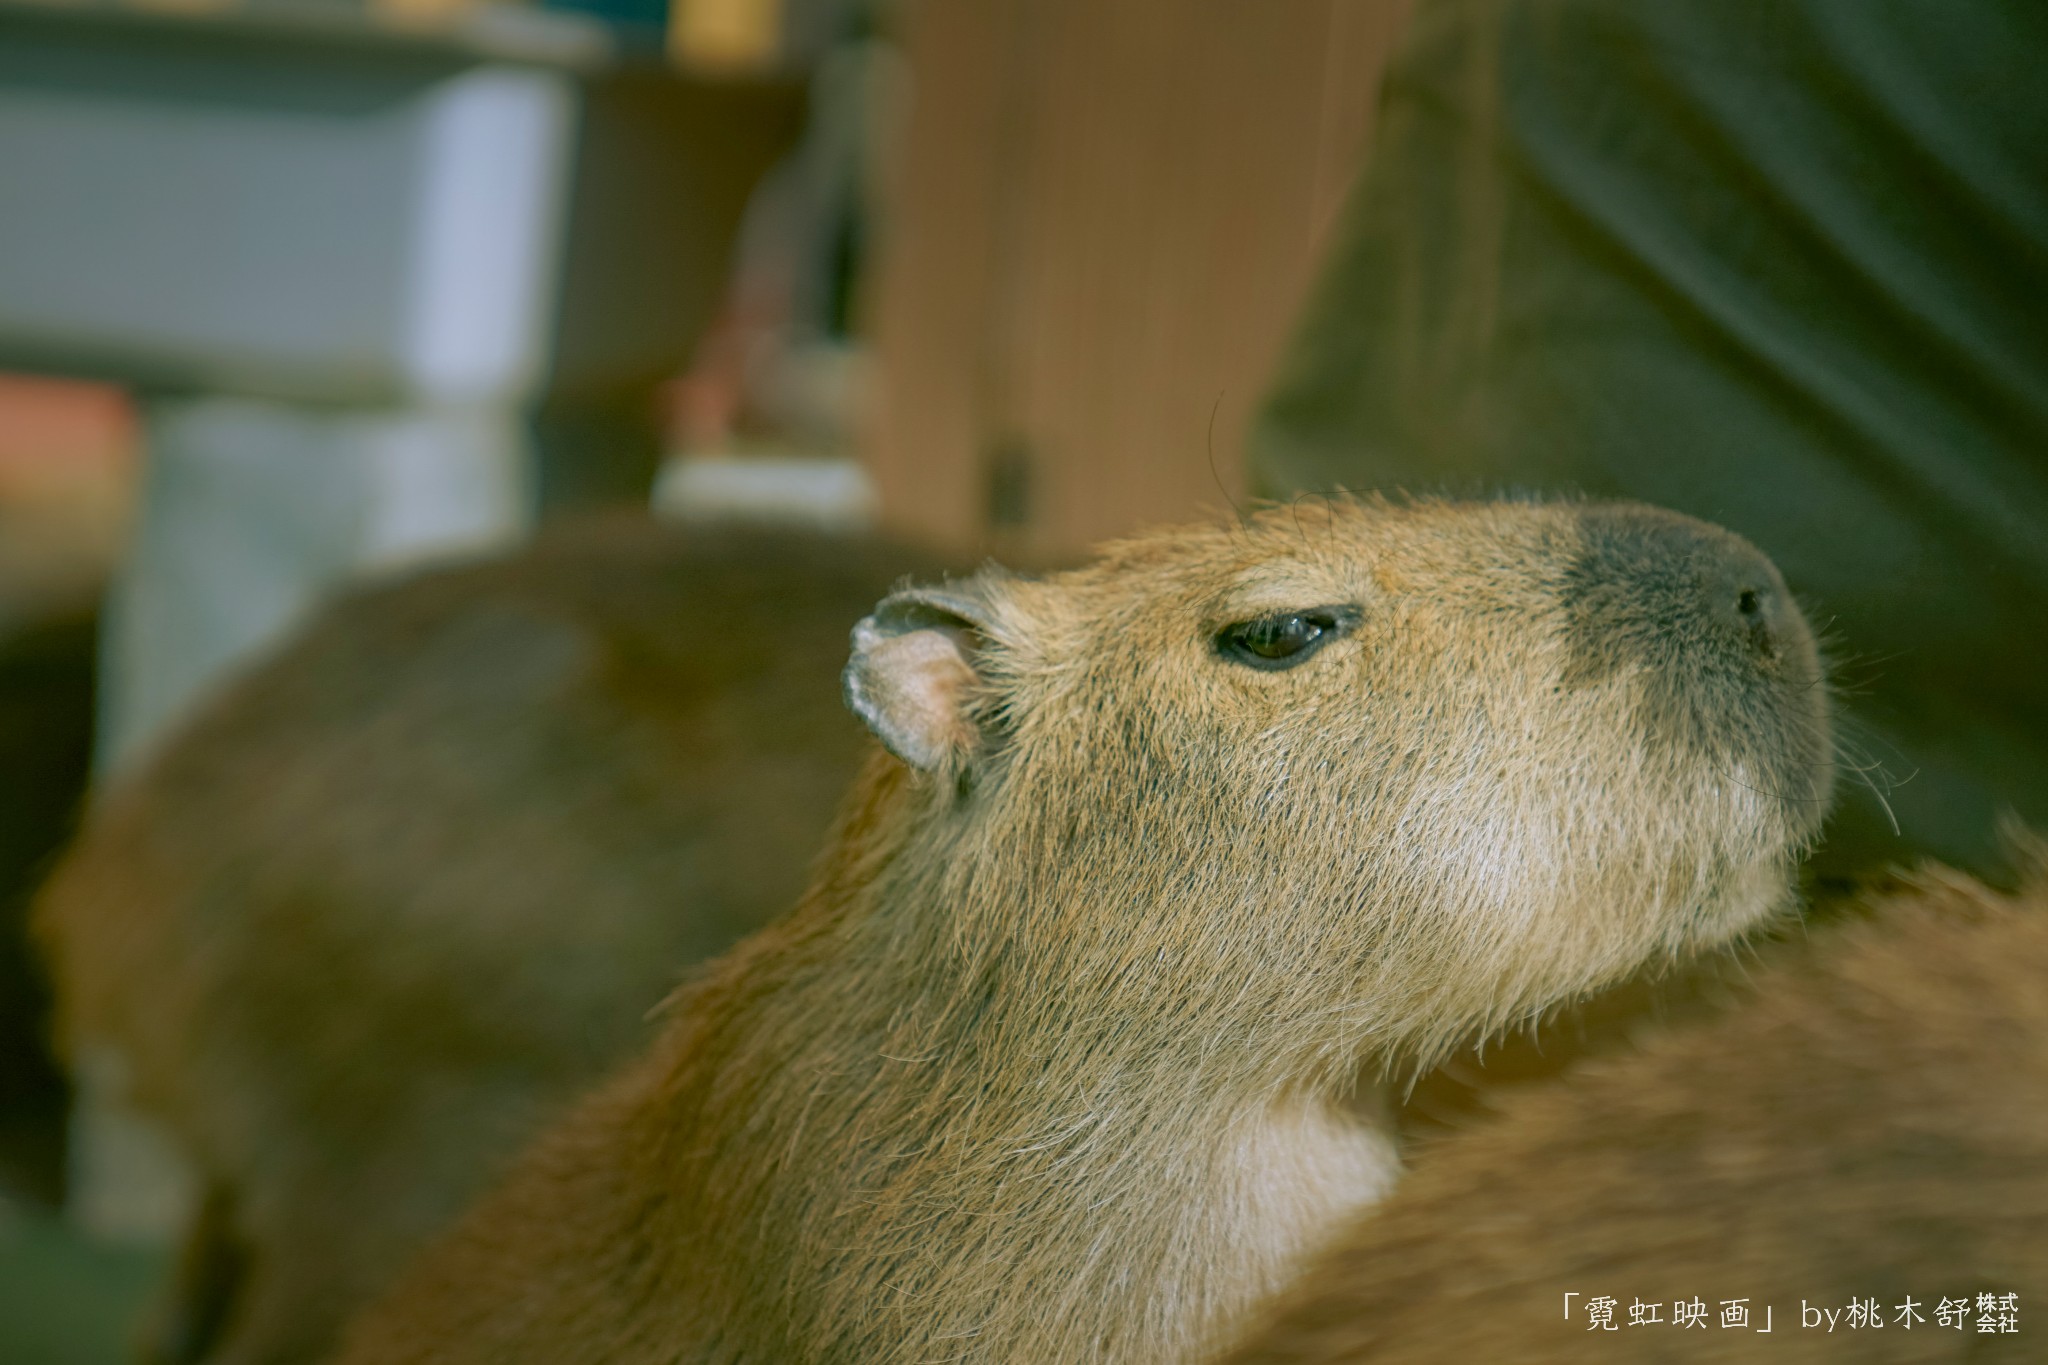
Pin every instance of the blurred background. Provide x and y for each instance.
(295, 294)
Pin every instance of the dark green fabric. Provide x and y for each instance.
(1778, 263)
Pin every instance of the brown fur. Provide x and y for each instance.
(1873, 1124)
(1061, 1056)
(413, 883)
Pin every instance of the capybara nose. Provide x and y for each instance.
(1651, 586)
(1737, 591)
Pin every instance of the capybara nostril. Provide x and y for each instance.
(1757, 614)
(1745, 603)
(1651, 587)
(1737, 589)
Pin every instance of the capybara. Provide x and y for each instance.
(1072, 1046)
(416, 880)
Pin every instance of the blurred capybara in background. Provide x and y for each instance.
(412, 882)
(1073, 1046)
(1854, 1160)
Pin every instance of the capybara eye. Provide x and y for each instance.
(1284, 639)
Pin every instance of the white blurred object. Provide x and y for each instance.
(825, 494)
(128, 1182)
(366, 244)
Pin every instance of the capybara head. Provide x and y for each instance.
(1353, 769)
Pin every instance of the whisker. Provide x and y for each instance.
(1214, 474)
(1774, 795)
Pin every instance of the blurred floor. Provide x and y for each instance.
(63, 1301)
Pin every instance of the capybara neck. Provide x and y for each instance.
(894, 1040)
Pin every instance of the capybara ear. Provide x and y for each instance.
(916, 671)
